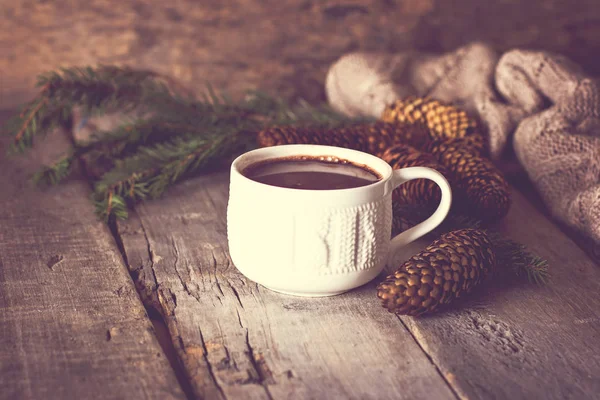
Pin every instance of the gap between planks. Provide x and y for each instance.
(161, 331)
(432, 361)
(72, 321)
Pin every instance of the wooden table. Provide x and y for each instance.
(76, 297)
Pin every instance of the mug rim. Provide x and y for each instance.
(291, 150)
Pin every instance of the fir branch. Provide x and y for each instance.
(126, 139)
(520, 260)
(94, 90)
(106, 147)
(54, 174)
(110, 206)
(105, 88)
(172, 134)
(38, 116)
(30, 119)
(153, 169)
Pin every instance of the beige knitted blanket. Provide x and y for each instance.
(541, 101)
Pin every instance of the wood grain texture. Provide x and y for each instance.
(518, 341)
(71, 323)
(238, 340)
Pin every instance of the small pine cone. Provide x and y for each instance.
(420, 192)
(406, 216)
(485, 190)
(371, 138)
(444, 121)
(448, 268)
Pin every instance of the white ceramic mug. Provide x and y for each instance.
(319, 242)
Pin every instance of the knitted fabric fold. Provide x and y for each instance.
(543, 102)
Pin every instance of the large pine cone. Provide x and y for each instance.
(483, 190)
(448, 268)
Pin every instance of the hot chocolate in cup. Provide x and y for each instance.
(312, 220)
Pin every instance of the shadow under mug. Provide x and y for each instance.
(319, 242)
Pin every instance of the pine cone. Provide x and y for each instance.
(371, 138)
(406, 216)
(421, 192)
(444, 121)
(448, 268)
(483, 190)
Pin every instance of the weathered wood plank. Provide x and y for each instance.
(519, 341)
(71, 323)
(238, 340)
(508, 341)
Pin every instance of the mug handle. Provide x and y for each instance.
(404, 175)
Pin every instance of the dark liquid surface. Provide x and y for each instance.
(311, 174)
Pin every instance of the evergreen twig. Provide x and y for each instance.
(162, 114)
(95, 90)
(153, 169)
(520, 260)
(54, 174)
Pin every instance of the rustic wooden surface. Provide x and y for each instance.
(71, 323)
(236, 339)
(279, 46)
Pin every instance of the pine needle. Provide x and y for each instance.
(153, 169)
(521, 261)
(54, 174)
